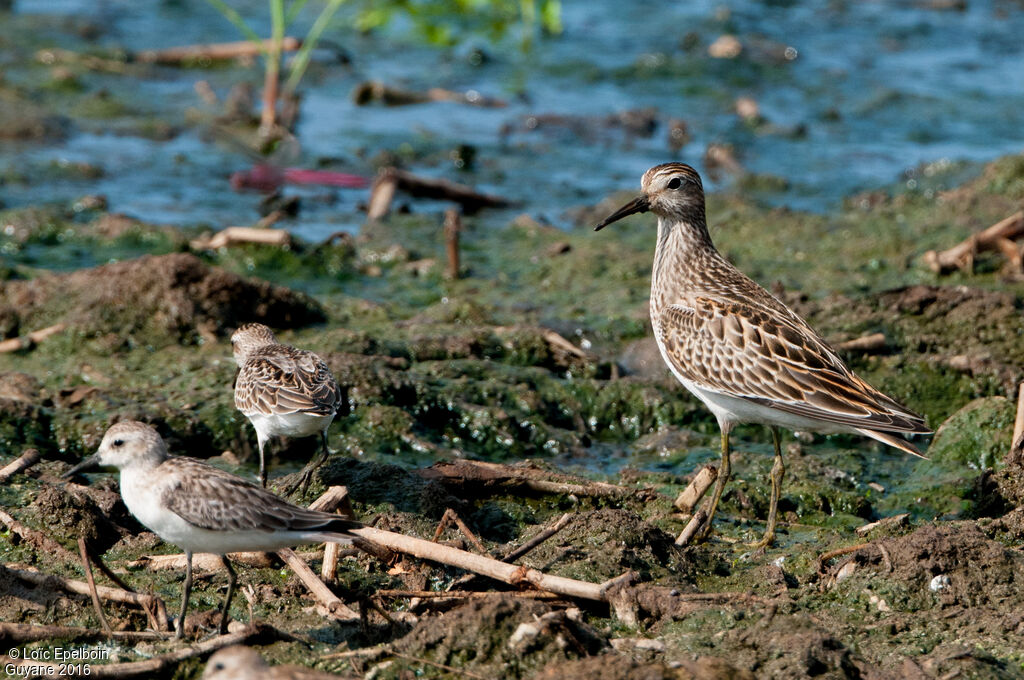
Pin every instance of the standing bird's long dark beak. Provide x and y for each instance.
(89, 463)
(637, 205)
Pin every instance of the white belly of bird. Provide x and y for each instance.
(290, 424)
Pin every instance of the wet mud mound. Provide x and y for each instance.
(155, 300)
(511, 636)
(73, 512)
(947, 565)
(601, 544)
(793, 647)
(613, 667)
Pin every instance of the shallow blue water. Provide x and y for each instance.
(877, 88)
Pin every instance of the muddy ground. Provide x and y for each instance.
(437, 370)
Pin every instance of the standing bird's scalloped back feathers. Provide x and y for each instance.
(739, 349)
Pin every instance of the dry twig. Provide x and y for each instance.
(209, 561)
(467, 594)
(214, 51)
(999, 236)
(452, 227)
(427, 662)
(390, 180)
(1016, 455)
(452, 517)
(335, 499)
(230, 236)
(695, 490)
(23, 462)
(544, 535)
(486, 566)
(865, 343)
(33, 338)
(334, 606)
(692, 527)
(87, 566)
(463, 474)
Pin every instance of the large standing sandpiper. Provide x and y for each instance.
(740, 350)
(283, 391)
(200, 508)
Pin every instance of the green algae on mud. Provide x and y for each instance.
(434, 369)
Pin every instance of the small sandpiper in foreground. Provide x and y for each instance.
(200, 508)
(283, 391)
(740, 350)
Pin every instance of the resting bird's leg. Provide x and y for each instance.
(179, 626)
(723, 477)
(232, 578)
(263, 466)
(307, 472)
(777, 473)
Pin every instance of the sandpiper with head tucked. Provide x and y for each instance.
(200, 508)
(283, 391)
(244, 663)
(740, 350)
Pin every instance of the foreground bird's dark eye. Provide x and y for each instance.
(675, 183)
(118, 442)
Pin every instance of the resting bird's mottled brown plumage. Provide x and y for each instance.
(283, 391)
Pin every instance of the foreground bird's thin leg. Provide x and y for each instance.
(307, 472)
(778, 472)
(232, 579)
(723, 477)
(179, 626)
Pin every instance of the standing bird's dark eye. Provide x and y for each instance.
(118, 442)
(675, 183)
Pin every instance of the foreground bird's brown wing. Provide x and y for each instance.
(747, 352)
(281, 380)
(213, 499)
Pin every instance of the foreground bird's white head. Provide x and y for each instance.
(249, 338)
(235, 663)
(672, 191)
(126, 444)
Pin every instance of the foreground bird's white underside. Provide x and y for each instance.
(141, 493)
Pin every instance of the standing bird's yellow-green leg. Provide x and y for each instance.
(723, 476)
(777, 473)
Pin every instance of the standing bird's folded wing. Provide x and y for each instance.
(743, 352)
